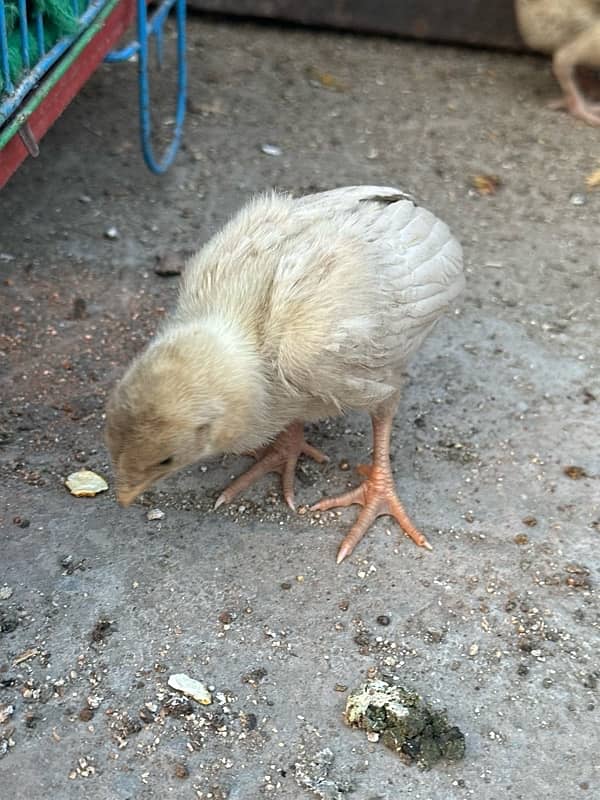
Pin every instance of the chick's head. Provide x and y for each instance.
(166, 413)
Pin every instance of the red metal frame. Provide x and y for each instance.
(59, 97)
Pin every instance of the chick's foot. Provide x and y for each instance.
(377, 494)
(578, 107)
(588, 112)
(282, 457)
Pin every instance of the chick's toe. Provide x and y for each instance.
(282, 457)
(376, 494)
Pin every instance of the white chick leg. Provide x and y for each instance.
(377, 494)
(584, 49)
(281, 456)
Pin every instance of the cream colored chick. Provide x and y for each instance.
(299, 309)
(569, 30)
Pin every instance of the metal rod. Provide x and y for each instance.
(4, 66)
(159, 166)
(156, 21)
(39, 32)
(23, 28)
(29, 140)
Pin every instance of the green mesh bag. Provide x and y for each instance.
(59, 20)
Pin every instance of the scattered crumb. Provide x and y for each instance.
(191, 688)
(575, 473)
(486, 184)
(101, 630)
(85, 483)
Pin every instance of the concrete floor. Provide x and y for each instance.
(499, 624)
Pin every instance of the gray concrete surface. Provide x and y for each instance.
(499, 624)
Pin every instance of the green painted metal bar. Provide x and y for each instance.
(59, 70)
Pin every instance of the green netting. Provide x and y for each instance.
(60, 19)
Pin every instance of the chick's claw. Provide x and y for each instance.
(377, 496)
(282, 457)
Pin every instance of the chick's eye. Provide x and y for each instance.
(165, 462)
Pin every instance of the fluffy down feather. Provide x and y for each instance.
(335, 290)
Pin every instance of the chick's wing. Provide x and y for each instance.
(358, 291)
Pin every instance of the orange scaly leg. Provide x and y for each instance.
(377, 494)
(281, 456)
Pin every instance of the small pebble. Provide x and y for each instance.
(271, 149)
(473, 649)
(169, 264)
(6, 592)
(190, 687)
(181, 771)
(225, 618)
(249, 722)
(435, 636)
(154, 514)
(530, 521)
(574, 472)
(521, 538)
(86, 714)
(111, 233)
(146, 715)
(383, 619)
(577, 199)
(79, 308)
(591, 681)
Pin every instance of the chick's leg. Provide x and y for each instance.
(281, 456)
(584, 49)
(377, 493)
